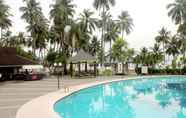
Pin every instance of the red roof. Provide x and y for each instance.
(8, 57)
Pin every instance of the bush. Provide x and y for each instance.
(138, 70)
(183, 70)
(169, 71)
(107, 72)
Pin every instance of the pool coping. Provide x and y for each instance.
(43, 106)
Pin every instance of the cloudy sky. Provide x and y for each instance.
(148, 15)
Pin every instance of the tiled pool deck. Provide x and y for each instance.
(14, 94)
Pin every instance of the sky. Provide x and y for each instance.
(149, 17)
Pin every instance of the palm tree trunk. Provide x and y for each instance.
(1, 36)
(1, 33)
(102, 41)
(164, 51)
(122, 34)
(110, 50)
(184, 59)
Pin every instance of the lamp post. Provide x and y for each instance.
(58, 65)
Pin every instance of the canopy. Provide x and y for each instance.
(9, 58)
(82, 56)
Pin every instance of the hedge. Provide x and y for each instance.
(167, 71)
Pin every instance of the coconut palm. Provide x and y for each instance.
(144, 56)
(157, 54)
(37, 23)
(125, 23)
(21, 39)
(119, 50)
(61, 14)
(182, 29)
(94, 46)
(5, 22)
(102, 6)
(88, 23)
(173, 46)
(106, 17)
(163, 38)
(78, 39)
(112, 33)
(177, 11)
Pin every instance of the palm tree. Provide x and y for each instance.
(94, 46)
(163, 38)
(88, 23)
(61, 15)
(112, 33)
(144, 56)
(102, 6)
(5, 22)
(177, 11)
(173, 46)
(125, 23)
(106, 17)
(157, 54)
(37, 23)
(21, 40)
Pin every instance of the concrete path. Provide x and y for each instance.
(14, 94)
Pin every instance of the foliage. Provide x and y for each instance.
(166, 71)
(94, 46)
(125, 23)
(173, 46)
(5, 22)
(51, 57)
(174, 64)
(145, 57)
(107, 72)
(54, 57)
(177, 11)
(28, 54)
(37, 24)
(119, 50)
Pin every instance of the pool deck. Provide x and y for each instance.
(14, 94)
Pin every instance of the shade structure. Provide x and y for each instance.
(82, 56)
(9, 58)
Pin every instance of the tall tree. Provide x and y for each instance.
(177, 11)
(5, 22)
(61, 14)
(119, 50)
(88, 23)
(173, 46)
(163, 38)
(112, 33)
(102, 6)
(157, 54)
(37, 23)
(125, 23)
(94, 46)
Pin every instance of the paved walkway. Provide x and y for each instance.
(14, 94)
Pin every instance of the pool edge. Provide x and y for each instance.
(43, 107)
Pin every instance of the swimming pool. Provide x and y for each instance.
(157, 97)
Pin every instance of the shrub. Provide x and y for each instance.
(107, 72)
(169, 71)
(138, 70)
(183, 70)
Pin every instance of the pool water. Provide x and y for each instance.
(159, 97)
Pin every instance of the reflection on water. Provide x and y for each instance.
(142, 98)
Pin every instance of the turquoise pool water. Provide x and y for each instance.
(160, 97)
